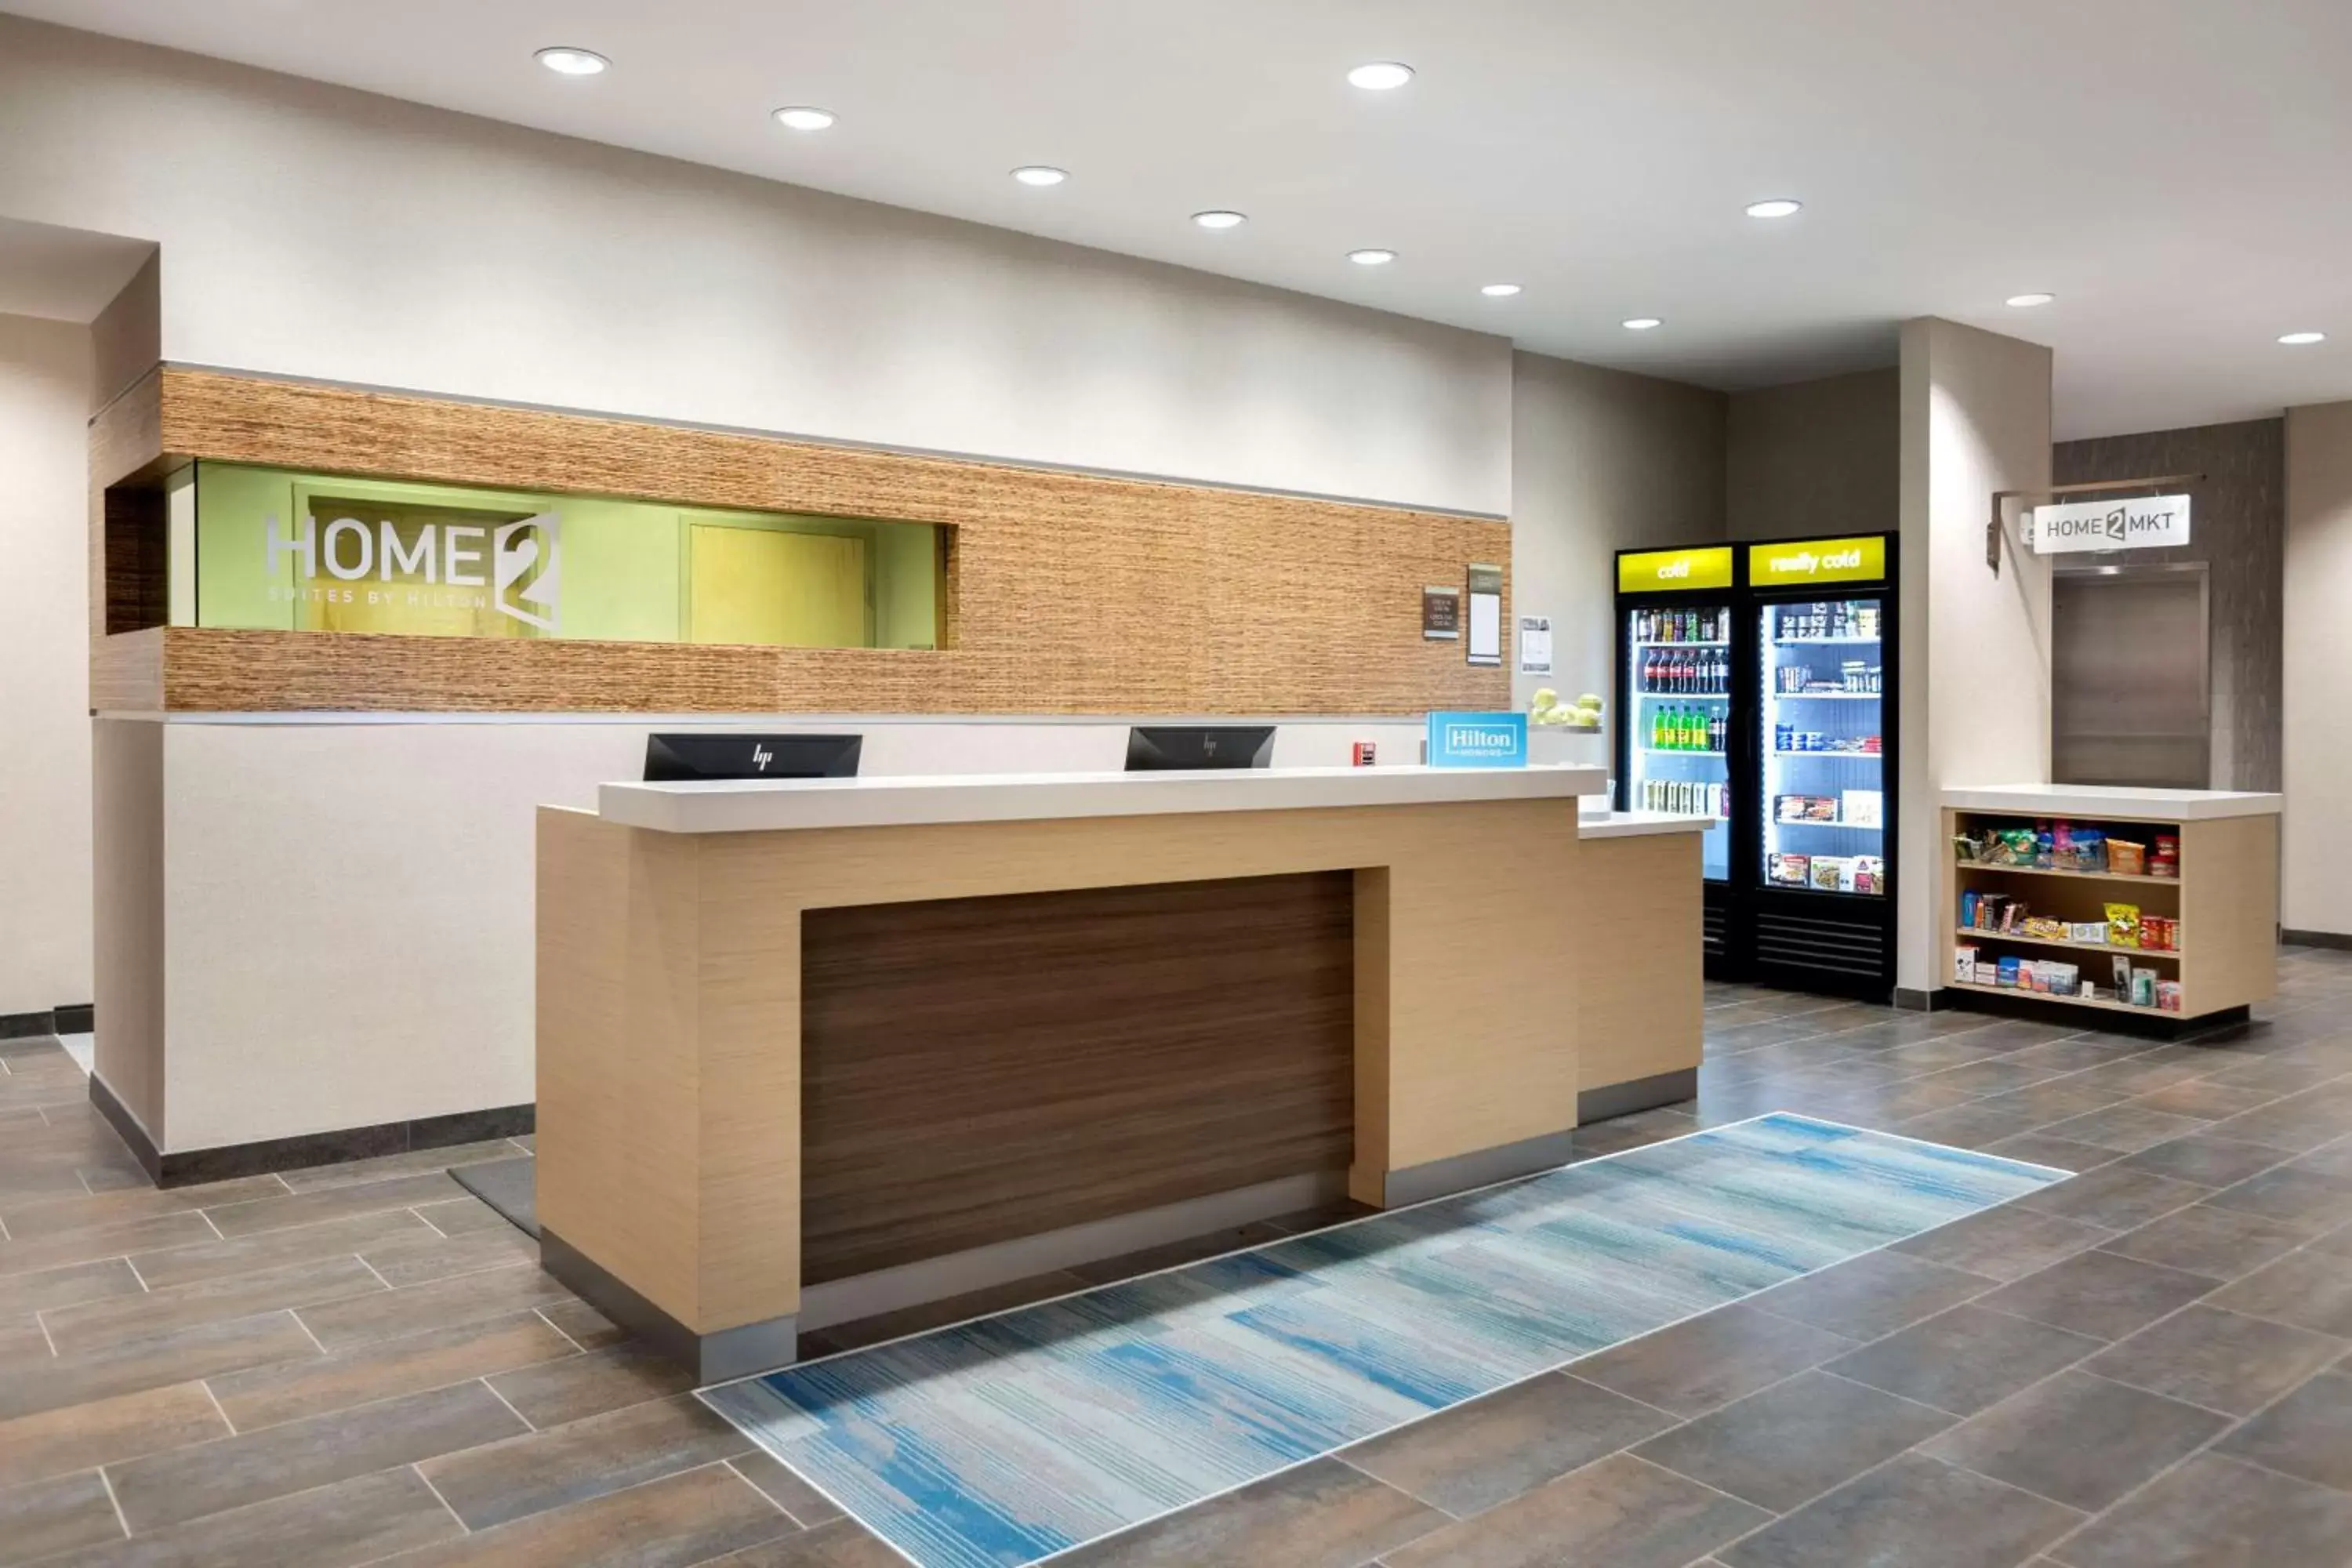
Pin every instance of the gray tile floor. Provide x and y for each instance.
(2147, 1366)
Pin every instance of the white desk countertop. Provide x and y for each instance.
(2108, 800)
(754, 805)
(1633, 824)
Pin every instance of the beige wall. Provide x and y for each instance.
(1815, 457)
(313, 231)
(2316, 890)
(319, 925)
(1976, 707)
(1602, 461)
(45, 820)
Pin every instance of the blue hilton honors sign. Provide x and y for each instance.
(1477, 739)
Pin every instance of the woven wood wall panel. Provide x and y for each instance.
(1071, 593)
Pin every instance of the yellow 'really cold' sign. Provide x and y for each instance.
(1671, 571)
(1862, 560)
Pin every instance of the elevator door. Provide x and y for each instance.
(2130, 678)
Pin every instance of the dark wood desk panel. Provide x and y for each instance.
(980, 1069)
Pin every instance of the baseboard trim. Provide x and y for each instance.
(1636, 1094)
(127, 1127)
(713, 1358)
(868, 1295)
(72, 1019)
(186, 1167)
(2149, 1024)
(2341, 941)
(1419, 1184)
(1907, 1000)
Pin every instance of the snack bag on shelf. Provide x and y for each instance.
(2167, 995)
(2122, 925)
(2090, 849)
(1964, 965)
(2125, 858)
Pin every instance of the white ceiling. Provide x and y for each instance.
(2174, 171)
(63, 274)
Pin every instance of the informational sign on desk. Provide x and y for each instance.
(1477, 739)
(2157, 522)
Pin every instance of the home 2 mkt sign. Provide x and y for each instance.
(2149, 524)
(513, 568)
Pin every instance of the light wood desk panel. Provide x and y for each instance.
(671, 979)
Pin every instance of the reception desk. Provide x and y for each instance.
(813, 1050)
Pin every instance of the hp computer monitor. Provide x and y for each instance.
(669, 758)
(1175, 747)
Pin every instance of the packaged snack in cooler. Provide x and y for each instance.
(1869, 874)
(1860, 808)
(2125, 858)
(1791, 870)
(2143, 992)
(2006, 971)
(2167, 995)
(1828, 871)
(2122, 925)
(1964, 965)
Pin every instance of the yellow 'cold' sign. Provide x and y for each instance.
(1670, 571)
(1817, 560)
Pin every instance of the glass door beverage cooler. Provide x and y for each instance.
(1676, 688)
(1756, 686)
(1819, 889)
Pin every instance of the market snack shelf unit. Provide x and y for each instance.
(2225, 896)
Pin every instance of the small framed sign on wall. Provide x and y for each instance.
(1485, 645)
(1441, 614)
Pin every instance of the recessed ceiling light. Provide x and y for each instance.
(805, 117)
(1380, 76)
(565, 62)
(1373, 257)
(2026, 301)
(1499, 290)
(1040, 174)
(2297, 339)
(1779, 206)
(1642, 323)
(1220, 218)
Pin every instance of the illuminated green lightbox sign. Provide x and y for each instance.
(277, 549)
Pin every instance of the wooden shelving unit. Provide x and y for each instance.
(2100, 1003)
(1971, 932)
(2225, 899)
